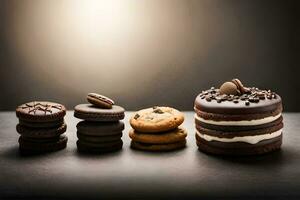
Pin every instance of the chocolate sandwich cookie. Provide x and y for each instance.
(41, 132)
(99, 139)
(40, 140)
(89, 112)
(156, 119)
(85, 147)
(38, 113)
(100, 128)
(158, 147)
(38, 124)
(100, 100)
(28, 146)
(235, 114)
(172, 136)
(99, 144)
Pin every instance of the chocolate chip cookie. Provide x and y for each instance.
(156, 119)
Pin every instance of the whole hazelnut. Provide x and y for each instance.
(229, 88)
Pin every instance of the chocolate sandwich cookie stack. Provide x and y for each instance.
(238, 120)
(157, 129)
(101, 130)
(41, 126)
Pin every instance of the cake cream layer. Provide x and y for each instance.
(200, 125)
(253, 122)
(248, 139)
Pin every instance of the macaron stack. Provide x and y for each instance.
(101, 130)
(157, 129)
(41, 126)
(238, 120)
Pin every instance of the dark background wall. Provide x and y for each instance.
(144, 53)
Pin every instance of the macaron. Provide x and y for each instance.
(100, 101)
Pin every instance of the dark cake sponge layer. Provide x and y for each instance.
(237, 128)
(217, 115)
(208, 148)
(229, 134)
(236, 145)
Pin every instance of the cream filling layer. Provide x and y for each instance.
(248, 139)
(240, 123)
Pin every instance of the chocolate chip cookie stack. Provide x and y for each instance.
(101, 130)
(157, 129)
(41, 126)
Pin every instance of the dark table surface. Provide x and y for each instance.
(138, 175)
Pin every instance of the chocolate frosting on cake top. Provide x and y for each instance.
(234, 98)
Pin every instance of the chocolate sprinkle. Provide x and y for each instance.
(159, 111)
(235, 101)
(253, 95)
(136, 116)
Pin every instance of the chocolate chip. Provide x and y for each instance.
(243, 98)
(159, 111)
(136, 116)
(251, 99)
(235, 101)
(208, 99)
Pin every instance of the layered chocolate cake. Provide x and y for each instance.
(238, 120)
